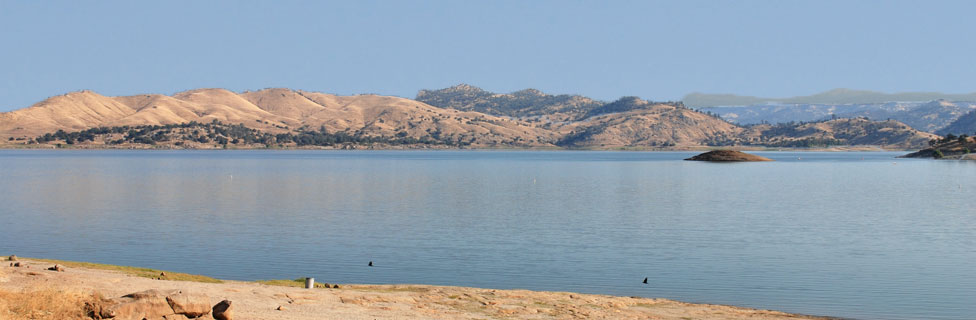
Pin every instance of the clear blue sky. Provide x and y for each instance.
(658, 50)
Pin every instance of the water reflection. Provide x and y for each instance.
(845, 234)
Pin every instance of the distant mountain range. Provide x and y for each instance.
(966, 124)
(926, 116)
(832, 97)
(460, 116)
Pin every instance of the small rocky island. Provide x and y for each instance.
(727, 156)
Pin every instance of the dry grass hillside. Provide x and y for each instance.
(290, 118)
(651, 126)
(72, 111)
(853, 131)
(273, 110)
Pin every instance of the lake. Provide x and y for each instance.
(847, 234)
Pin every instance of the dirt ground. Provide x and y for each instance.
(37, 293)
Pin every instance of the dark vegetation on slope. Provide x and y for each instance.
(950, 146)
(627, 104)
(528, 103)
(221, 134)
(387, 122)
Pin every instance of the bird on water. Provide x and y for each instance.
(370, 263)
(645, 280)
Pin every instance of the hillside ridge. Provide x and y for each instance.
(466, 116)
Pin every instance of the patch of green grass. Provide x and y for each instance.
(136, 271)
(298, 283)
(390, 289)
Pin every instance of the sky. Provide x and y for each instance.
(658, 50)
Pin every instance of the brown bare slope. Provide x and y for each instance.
(72, 111)
(388, 116)
(160, 110)
(274, 110)
(249, 113)
(658, 125)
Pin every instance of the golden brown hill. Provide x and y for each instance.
(72, 111)
(658, 125)
(626, 123)
(273, 110)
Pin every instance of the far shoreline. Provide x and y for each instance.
(856, 148)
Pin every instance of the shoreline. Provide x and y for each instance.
(281, 299)
(855, 148)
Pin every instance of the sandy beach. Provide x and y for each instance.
(29, 290)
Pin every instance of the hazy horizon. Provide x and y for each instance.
(655, 50)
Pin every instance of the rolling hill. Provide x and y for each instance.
(272, 110)
(528, 103)
(632, 122)
(470, 117)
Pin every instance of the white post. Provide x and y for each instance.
(309, 283)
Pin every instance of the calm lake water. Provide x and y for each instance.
(859, 234)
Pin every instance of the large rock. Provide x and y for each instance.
(149, 304)
(727, 156)
(191, 305)
(222, 311)
(152, 305)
